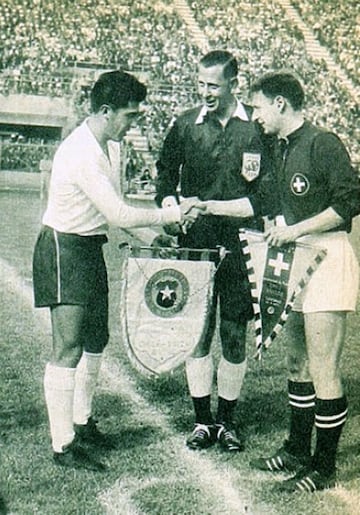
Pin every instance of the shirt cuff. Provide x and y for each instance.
(170, 215)
(169, 201)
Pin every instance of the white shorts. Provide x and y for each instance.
(334, 285)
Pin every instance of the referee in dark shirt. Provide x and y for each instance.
(214, 151)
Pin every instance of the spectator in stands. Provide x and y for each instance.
(207, 152)
(69, 273)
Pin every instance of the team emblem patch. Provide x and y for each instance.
(300, 184)
(250, 166)
(166, 292)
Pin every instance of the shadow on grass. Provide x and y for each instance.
(264, 413)
(20, 418)
(115, 417)
(139, 436)
(352, 389)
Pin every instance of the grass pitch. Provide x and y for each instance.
(151, 472)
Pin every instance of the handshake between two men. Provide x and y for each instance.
(192, 207)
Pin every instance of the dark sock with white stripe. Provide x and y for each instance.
(302, 406)
(202, 410)
(330, 418)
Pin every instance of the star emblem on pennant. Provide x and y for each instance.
(166, 292)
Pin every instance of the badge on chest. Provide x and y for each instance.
(250, 169)
(299, 184)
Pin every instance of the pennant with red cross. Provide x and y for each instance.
(277, 275)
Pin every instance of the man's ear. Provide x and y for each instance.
(234, 83)
(104, 109)
(280, 103)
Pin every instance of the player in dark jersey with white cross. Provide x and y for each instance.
(318, 195)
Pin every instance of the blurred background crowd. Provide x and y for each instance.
(56, 49)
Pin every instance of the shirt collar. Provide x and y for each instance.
(238, 113)
(296, 133)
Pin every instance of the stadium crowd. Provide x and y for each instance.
(41, 46)
(24, 156)
(337, 26)
(271, 41)
(44, 50)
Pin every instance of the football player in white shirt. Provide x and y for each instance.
(69, 273)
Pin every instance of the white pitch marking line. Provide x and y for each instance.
(214, 479)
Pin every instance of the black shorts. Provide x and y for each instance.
(231, 289)
(68, 269)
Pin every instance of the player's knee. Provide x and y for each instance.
(202, 349)
(298, 369)
(67, 355)
(293, 364)
(234, 354)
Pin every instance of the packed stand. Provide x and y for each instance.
(48, 49)
(24, 156)
(263, 38)
(42, 43)
(337, 26)
(45, 46)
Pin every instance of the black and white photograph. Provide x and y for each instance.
(179, 257)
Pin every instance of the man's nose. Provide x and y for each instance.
(205, 90)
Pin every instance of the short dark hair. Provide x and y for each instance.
(280, 83)
(116, 89)
(223, 57)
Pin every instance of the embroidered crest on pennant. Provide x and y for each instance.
(250, 166)
(165, 306)
(166, 292)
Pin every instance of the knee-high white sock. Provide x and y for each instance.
(59, 385)
(199, 373)
(86, 377)
(230, 377)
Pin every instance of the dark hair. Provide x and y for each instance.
(116, 89)
(280, 83)
(224, 58)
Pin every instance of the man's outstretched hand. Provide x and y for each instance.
(191, 208)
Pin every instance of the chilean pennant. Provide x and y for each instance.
(165, 305)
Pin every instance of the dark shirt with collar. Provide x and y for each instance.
(313, 172)
(213, 162)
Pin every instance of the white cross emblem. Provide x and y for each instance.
(279, 264)
(299, 184)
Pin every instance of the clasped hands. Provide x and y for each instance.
(191, 208)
